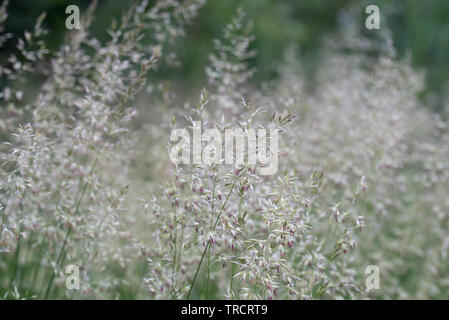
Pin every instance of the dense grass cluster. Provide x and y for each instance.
(86, 177)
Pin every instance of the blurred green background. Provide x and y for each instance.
(419, 28)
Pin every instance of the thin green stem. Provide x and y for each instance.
(208, 241)
(19, 243)
(175, 254)
(69, 230)
(232, 277)
(208, 251)
(36, 272)
(208, 273)
(4, 209)
(61, 252)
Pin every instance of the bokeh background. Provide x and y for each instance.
(420, 29)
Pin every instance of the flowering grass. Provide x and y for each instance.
(86, 177)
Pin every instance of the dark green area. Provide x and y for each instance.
(419, 28)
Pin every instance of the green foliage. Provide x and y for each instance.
(419, 28)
